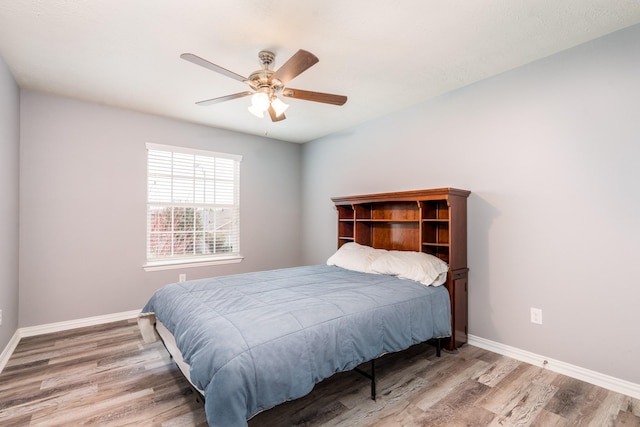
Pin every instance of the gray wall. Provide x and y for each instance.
(9, 174)
(550, 152)
(82, 201)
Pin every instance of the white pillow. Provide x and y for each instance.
(356, 257)
(419, 266)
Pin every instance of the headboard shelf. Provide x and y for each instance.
(433, 221)
(388, 220)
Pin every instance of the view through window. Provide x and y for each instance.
(193, 205)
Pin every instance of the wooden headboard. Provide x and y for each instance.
(432, 221)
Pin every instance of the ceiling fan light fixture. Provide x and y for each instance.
(260, 101)
(279, 106)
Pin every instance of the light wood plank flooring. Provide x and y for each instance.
(106, 375)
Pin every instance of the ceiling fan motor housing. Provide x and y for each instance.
(260, 80)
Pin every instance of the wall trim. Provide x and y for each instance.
(30, 331)
(8, 350)
(58, 327)
(605, 381)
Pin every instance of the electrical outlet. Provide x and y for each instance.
(182, 277)
(536, 316)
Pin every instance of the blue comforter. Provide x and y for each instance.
(256, 340)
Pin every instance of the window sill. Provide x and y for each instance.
(190, 262)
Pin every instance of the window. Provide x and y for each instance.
(193, 207)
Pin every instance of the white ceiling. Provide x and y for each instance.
(384, 55)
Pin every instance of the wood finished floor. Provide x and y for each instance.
(105, 375)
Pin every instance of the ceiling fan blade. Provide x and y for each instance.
(326, 98)
(211, 66)
(298, 63)
(224, 98)
(274, 116)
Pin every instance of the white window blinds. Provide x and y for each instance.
(193, 206)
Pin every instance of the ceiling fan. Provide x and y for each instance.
(267, 84)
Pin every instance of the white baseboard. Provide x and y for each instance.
(8, 350)
(60, 326)
(605, 381)
(77, 323)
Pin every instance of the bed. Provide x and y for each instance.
(251, 341)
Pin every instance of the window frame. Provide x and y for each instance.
(197, 260)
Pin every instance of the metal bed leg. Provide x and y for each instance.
(437, 342)
(373, 379)
(371, 376)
